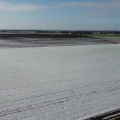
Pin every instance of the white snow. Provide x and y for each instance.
(59, 83)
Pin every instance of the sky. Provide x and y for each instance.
(60, 14)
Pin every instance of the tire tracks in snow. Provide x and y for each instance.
(53, 101)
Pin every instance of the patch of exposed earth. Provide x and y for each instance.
(21, 42)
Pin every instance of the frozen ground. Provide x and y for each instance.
(59, 83)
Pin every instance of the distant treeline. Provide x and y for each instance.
(57, 32)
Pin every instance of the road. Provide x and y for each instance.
(59, 83)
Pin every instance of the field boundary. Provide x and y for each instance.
(106, 116)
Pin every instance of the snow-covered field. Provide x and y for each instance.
(59, 83)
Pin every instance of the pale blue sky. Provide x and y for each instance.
(60, 14)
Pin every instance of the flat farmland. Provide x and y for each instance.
(60, 82)
(37, 41)
(115, 38)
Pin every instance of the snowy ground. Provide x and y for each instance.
(59, 83)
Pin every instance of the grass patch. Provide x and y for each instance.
(106, 36)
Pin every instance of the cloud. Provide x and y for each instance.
(94, 8)
(111, 4)
(6, 6)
